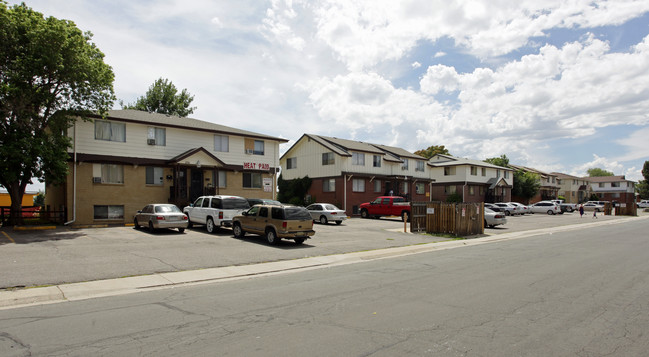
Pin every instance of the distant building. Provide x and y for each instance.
(613, 188)
(549, 186)
(574, 189)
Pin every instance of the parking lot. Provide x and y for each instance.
(63, 255)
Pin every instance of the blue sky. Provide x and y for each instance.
(559, 86)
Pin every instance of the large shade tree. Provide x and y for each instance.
(163, 97)
(643, 185)
(432, 151)
(598, 172)
(50, 74)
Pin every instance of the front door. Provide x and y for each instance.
(196, 185)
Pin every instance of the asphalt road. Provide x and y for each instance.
(577, 293)
(35, 258)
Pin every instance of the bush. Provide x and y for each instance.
(454, 198)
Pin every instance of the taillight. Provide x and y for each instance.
(284, 224)
(500, 216)
(184, 218)
(333, 213)
(220, 215)
(160, 218)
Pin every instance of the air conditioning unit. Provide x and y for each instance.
(150, 141)
(96, 180)
(404, 168)
(249, 151)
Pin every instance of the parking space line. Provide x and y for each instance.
(8, 237)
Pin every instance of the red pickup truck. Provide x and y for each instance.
(386, 206)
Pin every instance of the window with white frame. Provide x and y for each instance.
(110, 131)
(616, 195)
(358, 185)
(291, 163)
(108, 212)
(220, 179)
(328, 158)
(358, 159)
(484, 171)
(615, 184)
(376, 160)
(449, 190)
(154, 175)
(420, 188)
(404, 166)
(404, 188)
(328, 185)
(221, 143)
(108, 173)
(449, 171)
(251, 180)
(259, 147)
(471, 190)
(420, 166)
(157, 136)
(377, 185)
(507, 174)
(474, 171)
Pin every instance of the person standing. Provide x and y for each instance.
(581, 210)
(595, 213)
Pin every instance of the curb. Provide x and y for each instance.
(33, 228)
(120, 286)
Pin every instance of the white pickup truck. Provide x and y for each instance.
(215, 211)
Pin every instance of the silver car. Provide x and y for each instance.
(161, 215)
(493, 218)
(325, 212)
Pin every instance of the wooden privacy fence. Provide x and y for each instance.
(459, 219)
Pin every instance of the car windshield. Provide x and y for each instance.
(488, 210)
(235, 203)
(167, 209)
(300, 213)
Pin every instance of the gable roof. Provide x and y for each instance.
(172, 121)
(448, 160)
(607, 179)
(529, 169)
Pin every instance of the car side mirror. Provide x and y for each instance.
(244, 213)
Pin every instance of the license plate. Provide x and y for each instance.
(173, 218)
(299, 234)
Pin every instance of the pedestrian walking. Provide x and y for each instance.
(595, 213)
(581, 211)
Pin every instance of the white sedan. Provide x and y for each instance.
(325, 212)
(548, 207)
(493, 218)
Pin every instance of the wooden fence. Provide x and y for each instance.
(459, 219)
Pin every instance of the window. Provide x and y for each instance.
(474, 171)
(221, 143)
(263, 212)
(497, 173)
(404, 188)
(108, 173)
(471, 190)
(449, 190)
(291, 163)
(449, 171)
(554, 179)
(404, 166)
(220, 179)
(420, 166)
(481, 191)
(601, 184)
(358, 185)
(329, 185)
(376, 160)
(158, 135)
(574, 182)
(377, 185)
(615, 195)
(358, 159)
(108, 212)
(106, 130)
(328, 158)
(154, 176)
(615, 184)
(484, 171)
(420, 188)
(259, 147)
(507, 175)
(251, 180)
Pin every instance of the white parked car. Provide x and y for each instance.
(597, 206)
(522, 209)
(548, 207)
(215, 211)
(493, 218)
(325, 212)
(643, 204)
(509, 209)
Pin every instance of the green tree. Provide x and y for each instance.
(498, 161)
(293, 191)
(432, 151)
(526, 184)
(39, 199)
(643, 185)
(597, 172)
(50, 73)
(163, 97)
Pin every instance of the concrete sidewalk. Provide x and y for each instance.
(120, 286)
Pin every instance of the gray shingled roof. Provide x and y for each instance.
(455, 161)
(185, 123)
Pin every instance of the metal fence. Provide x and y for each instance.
(459, 219)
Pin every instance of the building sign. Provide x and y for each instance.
(255, 166)
(268, 184)
(430, 210)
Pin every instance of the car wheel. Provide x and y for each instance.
(189, 224)
(550, 212)
(135, 225)
(492, 225)
(181, 230)
(365, 214)
(323, 220)
(238, 231)
(151, 229)
(299, 240)
(271, 237)
(339, 222)
(507, 213)
(210, 225)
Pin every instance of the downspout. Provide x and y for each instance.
(74, 176)
(464, 191)
(345, 191)
(275, 164)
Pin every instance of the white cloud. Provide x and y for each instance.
(636, 145)
(416, 64)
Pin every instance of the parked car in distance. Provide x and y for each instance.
(493, 207)
(597, 206)
(325, 212)
(275, 222)
(522, 209)
(548, 207)
(508, 208)
(161, 215)
(386, 206)
(262, 201)
(493, 218)
(215, 211)
(643, 204)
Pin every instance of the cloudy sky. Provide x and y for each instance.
(556, 85)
